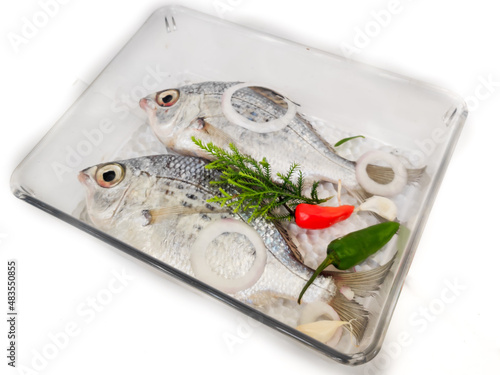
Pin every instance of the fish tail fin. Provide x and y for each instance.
(415, 175)
(384, 175)
(362, 284)
(352, 312)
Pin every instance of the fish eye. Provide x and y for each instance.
(167, 98)
(109, 175)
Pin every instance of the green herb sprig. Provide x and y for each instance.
(256, 191)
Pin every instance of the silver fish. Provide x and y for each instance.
(158, 204)
(176, 115)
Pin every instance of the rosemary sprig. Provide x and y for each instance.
(256, 191)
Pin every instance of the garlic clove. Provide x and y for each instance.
(322, 330)
(381, 206)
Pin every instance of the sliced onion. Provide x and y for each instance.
(381, 206)
(314, 311)
(392, 188)
(257, 127)
(205, 273)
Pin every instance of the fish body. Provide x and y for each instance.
(180, 186)
(158, 204)
(197, 111)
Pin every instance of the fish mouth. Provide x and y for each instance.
(147, 105)
(83, 178)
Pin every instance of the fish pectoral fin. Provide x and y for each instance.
(217, 136)
(363, 283)
(152, 216)
(384, 175)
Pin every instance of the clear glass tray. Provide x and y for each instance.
(177, 46)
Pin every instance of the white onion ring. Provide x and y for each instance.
(257, 127)
(315, 310)
(204, 272)
(392, 188)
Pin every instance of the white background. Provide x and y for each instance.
(154, 325)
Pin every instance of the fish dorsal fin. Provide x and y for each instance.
(313, 129)
(286, 237)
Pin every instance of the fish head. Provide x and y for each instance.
(172, 114)
(120, 191)
(106, 187)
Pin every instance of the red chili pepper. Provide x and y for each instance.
(311, 216)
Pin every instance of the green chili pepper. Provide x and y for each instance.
(345, 252)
